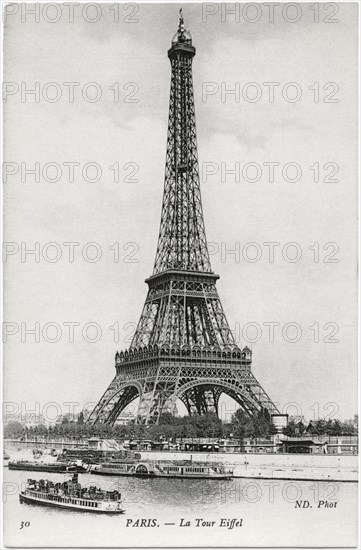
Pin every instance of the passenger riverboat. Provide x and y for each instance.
(71, 495)
(55, 467)
(145, 468)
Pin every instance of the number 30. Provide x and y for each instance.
(24, 524)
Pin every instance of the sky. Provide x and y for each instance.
(308, 292)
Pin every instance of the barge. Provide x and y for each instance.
(55, 467)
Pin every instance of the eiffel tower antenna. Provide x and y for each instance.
(183, 347)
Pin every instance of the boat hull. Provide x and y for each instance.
(63, 505)
(57, 468)
(158, 475)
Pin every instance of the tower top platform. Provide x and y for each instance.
(182, 41)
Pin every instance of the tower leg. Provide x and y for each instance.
(113, 403)
(201, 399)
(157, 398)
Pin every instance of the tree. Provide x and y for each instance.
(300, 428)
(320, 426)
(355, 422)
(187, 430)
(263, 424)
(242, 424)
(167, 419)
(336, 428)
(207, 425)
(290, 429)
(350, 427)
(13, 429)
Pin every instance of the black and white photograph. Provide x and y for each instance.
(180, 274)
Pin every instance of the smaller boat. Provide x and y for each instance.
(6, 456)
(55, 467)
(71, 495)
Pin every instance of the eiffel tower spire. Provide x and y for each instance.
(182, 240)
(182, 306)
(183, 347)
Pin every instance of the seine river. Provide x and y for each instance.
(267, 509)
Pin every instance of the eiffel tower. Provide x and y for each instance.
(183, 347)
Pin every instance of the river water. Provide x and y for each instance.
(267, 509)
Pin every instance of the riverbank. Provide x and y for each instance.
(274, 466)
(315, 467)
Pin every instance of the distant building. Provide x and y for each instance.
(125, 418)
(87, 412)
(28, 419)
(303, 446)
(99, 444)
(321, 444)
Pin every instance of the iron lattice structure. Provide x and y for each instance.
(183, 347)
